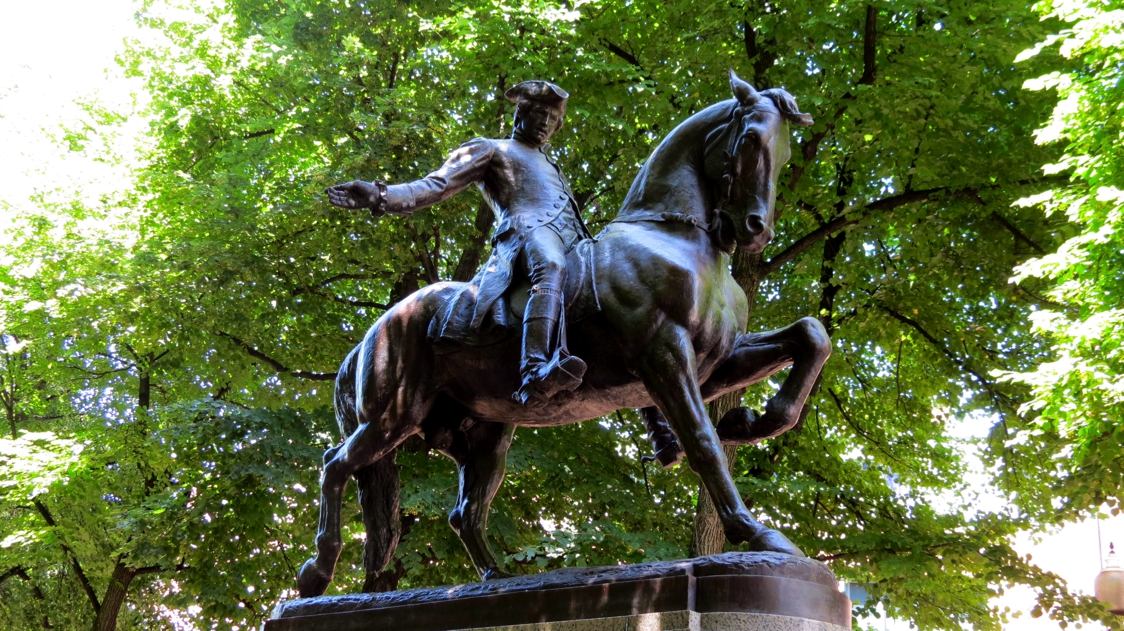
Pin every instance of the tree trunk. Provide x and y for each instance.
(123, 575)
(707, 536)
(115, 594)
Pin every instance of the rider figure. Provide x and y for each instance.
(538, 224)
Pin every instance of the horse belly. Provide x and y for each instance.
(483, 379)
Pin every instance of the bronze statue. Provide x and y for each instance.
(655, 313)
(539, 223)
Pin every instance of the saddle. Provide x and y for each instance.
(451, 329)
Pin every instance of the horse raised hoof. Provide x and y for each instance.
(769, 540)
(493, 574)
(311, 580)
(560, 373)
(739, 426)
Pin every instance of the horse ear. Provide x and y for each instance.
(787, 105)
(743, 92)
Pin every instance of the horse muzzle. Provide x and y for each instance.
(754, 235)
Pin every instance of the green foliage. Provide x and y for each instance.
(1077, 397)
(169, 351)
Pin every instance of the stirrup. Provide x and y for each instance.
(560, 373)
(670, 454)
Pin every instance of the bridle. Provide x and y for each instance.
(714, 228)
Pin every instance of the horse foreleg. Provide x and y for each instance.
(481, 456)
(804, 345)
(668, 371)
(361, 449)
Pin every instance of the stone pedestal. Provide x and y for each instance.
(736, 591)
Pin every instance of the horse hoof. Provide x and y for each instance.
(312, 581)
(769, 540)
(739, 427)
(495, 574)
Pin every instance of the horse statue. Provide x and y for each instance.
(668, 334)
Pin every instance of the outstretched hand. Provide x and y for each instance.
(356, 194)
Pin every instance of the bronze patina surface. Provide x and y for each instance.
(668, 332)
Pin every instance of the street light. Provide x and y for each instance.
(1109, 586)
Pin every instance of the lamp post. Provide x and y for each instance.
(1109, 586)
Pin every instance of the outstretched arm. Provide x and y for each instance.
(463, 167)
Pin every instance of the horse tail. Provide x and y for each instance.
(378, 488)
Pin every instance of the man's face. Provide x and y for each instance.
(538, 122)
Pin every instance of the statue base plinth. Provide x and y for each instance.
(756, 591)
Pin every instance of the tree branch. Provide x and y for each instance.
(1001, 401)
(349, 302)
(761, 57)
(858, 430)
(1019, 235)
(887, 203)
(276, 365)
(870, 38)
(811, 147)
(329, 281)
(810, 239)
(20, 572)
(86, 586)
(156, 569)
(622, 53)
(16, 571)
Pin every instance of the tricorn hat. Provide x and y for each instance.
(537, 90)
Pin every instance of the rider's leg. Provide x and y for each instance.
(545, 372)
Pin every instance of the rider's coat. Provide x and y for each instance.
(526, 190)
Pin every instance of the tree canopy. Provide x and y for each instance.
(168, 351)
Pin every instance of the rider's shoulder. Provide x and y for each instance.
(477, 145)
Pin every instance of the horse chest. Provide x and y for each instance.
(718, 324)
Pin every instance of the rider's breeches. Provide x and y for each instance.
(544, 254)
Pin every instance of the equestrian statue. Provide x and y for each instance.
(646, 315)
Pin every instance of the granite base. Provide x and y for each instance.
(726, 592)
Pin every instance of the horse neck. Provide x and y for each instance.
(673, 178)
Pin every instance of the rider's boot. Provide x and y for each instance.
(665, 445)
(546, 368)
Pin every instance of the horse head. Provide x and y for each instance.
(757, 148)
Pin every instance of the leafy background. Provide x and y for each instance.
(169, 346)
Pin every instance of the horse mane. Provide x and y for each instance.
(718, 134)
(787, 105)
(780, 97)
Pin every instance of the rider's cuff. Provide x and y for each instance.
(378, 206)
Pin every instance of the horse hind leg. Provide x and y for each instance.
(480, 450)
(362, 449)
(378, 486)
(389, 416)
